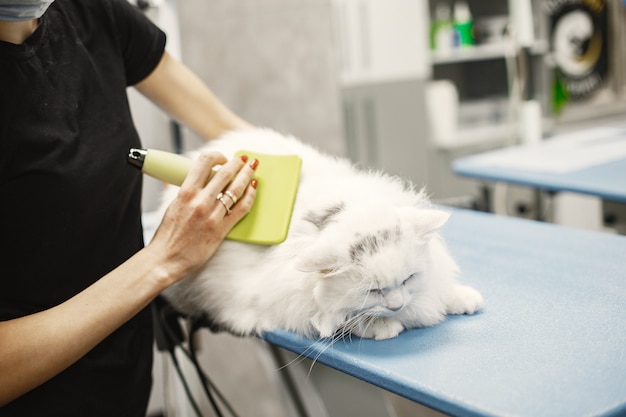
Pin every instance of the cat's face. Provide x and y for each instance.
(371, 263)
(386, 271)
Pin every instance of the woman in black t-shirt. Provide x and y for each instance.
(75, 279)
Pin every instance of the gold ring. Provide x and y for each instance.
(220, 198)
(230, 195)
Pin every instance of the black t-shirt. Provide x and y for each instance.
(69, 202)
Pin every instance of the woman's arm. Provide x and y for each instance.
(35, 348)
(180, 93)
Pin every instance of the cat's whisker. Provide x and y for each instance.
(327, 345)
(365, 321)
(298, 359)
(324, 342)
(357, 321)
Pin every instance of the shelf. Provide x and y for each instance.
(364, 78)
(482, 52)
(479, 135)
(472, 53)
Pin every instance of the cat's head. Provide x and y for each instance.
(368, 261)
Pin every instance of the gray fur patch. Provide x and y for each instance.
(370, 244)
(321, 218)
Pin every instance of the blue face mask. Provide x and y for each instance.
(21, 10)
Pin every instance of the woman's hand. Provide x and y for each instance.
(35, 346)
(200, 217)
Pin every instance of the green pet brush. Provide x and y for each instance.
(278, 176)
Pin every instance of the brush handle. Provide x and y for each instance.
(166, 166)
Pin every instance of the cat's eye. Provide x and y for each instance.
(410, 277)
(376, 291)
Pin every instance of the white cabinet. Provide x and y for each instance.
(380, 41)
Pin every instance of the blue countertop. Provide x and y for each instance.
(551, 340)
(607, 181)
(595, 157)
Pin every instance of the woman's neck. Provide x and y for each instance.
(17, 32)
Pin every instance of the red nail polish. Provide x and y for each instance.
(254, 183)
(254, 163)
(244, 158)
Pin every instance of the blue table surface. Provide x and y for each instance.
(604, 180)
(607, 181)
(550, 341)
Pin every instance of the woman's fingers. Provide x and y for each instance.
(229, 191)
(237, 197)
(202, 169)
(229, 183)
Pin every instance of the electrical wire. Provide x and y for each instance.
(192, 402)
(174, 339)
(203, 378)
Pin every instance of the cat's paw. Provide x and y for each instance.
(380, 329)
(464, 300)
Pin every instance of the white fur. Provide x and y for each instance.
(310, 284)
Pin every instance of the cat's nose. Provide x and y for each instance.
(394, 300)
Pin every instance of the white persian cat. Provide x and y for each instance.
(363, 256)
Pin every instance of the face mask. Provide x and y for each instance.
(21, 10)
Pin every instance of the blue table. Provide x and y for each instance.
(603, 179)
(551, 340)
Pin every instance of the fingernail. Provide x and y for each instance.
(244, 158)
(254, 163)
(254, 183)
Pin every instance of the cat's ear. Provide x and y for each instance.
(425, 222)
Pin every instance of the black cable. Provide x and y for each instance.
(169, 335)
(204, 378)
(177, 136)
(193, 403)
(205, 382)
